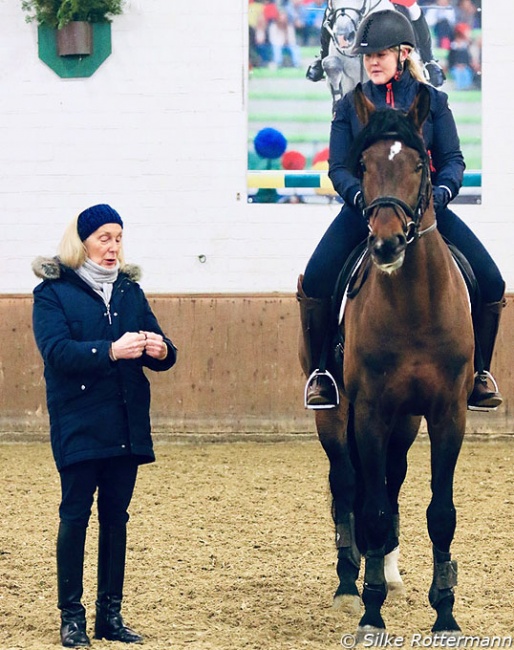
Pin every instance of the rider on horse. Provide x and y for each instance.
(396, 88)
(411, 9)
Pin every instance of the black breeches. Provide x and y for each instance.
(488, 276)
(349, 228)
(114, 478)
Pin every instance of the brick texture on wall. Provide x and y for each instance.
(160, 132)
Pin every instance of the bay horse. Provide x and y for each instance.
(408, 354)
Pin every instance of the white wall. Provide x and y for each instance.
(159, 132)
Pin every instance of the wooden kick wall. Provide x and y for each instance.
(237, 373)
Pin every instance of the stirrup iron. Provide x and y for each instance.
(487, 374)
(319, 407)
(485, 409)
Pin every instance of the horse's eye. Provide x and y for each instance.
(362, 166)
(419, 166)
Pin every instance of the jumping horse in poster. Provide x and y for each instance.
(405, 351)
(344, 69)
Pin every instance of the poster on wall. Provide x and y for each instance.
(300, 66)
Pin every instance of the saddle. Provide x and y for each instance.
(352, 277)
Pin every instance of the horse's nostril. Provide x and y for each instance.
(387, 249)
(401, 241)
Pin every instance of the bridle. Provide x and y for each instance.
(410, 217)
(355, 20)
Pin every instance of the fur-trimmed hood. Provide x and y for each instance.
(50, 268)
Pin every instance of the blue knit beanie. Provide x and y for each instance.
(92, 218)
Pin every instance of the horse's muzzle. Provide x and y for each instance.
(387, 254)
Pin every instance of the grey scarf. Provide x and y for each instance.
(98, 278)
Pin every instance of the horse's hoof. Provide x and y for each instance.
(370, 635)
(347, 603)
(396, 591)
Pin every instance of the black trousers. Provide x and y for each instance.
(349, 228)
(114, 478)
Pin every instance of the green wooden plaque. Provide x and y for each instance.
(77, 65)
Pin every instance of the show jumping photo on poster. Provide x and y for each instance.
(301, 64)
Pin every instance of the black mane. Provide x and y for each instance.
(386, 124)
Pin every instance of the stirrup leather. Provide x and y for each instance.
(320, 373)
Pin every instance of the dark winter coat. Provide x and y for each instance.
(439, 134)
(98, 408)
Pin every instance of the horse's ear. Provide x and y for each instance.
(420, 107)
(363, 106)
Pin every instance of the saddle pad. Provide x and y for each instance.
(349, 274)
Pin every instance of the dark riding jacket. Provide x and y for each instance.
(439, 133)
(98, 408)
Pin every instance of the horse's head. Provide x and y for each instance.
(390, 158)
(345, 29)
(346, 17)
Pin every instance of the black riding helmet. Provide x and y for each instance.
(381, 30)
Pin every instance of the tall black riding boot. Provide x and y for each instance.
(321, 390)
(111, 573)
(70, 568)
(485, 397)
(315, 70)
(424, 43)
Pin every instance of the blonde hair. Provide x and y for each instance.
(413, 64)
(71, 250)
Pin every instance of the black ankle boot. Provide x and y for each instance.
(321, 391)
(111, 573)
(73, 634)
(70, 562)
(485, 395)
(315, 70)
(109, 623)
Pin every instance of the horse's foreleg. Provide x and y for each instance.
(377, 517)
(404, 435)
(441, 595)
(348, 563)
(374, 592)
(396, 472)
(331, 427)
(333, 67)
(446, 442)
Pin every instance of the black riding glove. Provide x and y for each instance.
(442, 197)
(435, 73)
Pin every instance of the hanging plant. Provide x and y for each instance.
(58, 13)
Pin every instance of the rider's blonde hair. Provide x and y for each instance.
(412, 63)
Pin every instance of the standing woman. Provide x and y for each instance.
(386, 41)
(96, 332)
